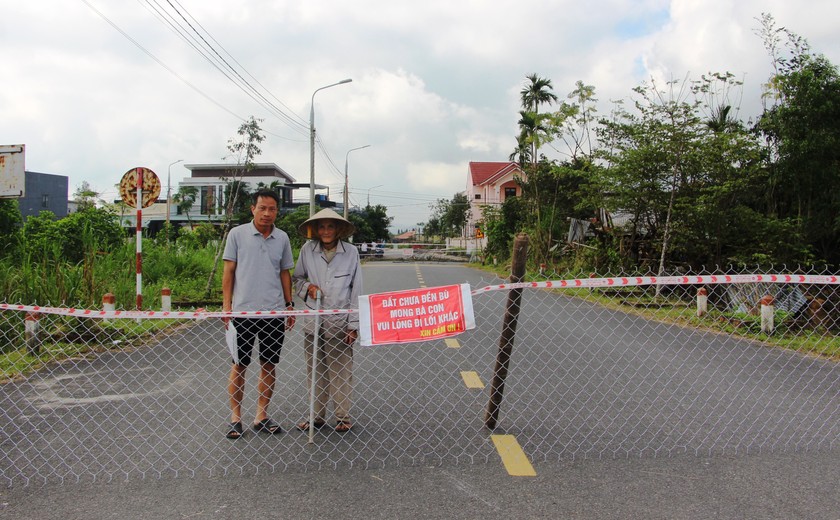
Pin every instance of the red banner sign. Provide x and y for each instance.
(415, 315)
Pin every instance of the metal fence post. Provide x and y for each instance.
(497, 387)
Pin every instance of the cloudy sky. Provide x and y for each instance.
(95, 87)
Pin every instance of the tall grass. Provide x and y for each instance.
(42, 277)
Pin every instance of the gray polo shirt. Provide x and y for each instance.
(259, 261)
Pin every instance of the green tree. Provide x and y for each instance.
(377, 222)
(239, 195)
(449, 217)
(10, 226)
(653, 159)
(85, 196)
(246, 149)
(291, 221)
(802, 129)
(500, 225)
(537, 92)
(184, 200)
(89, 231)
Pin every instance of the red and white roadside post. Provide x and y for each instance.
(139, 240)
(109, 304)
(166, 299)
(32, 328)
(702, 302)
(768, 311)
(133, 184)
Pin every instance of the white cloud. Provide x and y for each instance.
(435, 84)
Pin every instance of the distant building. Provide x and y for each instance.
(408, 236)
(490, 184)
(44, 192)
(210, 181)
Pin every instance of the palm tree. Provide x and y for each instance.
(184, 200)
(522, 153)
(720, 120)
(537, 92)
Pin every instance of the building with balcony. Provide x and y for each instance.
(490, 184)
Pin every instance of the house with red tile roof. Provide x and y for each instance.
(490, 184)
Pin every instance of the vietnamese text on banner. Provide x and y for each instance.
(415, 315)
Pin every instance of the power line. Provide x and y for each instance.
(300, 121)
(159, 62)
(186, 30)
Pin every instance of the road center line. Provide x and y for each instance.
(515, 461)
(471, 379)
(452, 343)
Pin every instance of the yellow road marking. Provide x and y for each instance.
(514, 459)
(471, 379)
(452, 343)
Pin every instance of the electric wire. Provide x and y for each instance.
(159, 62)
(185, 30)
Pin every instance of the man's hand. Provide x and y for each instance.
(226, 319)
(312, 291)
(351, 336)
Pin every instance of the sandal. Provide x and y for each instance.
(235, 431)
(268, 426)
(343, 426)
(304, 425)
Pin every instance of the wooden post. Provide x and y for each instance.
(702, 302)
(767, 314)
(32, 328)
(497, 387)
(166, 299)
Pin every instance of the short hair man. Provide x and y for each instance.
(256, 277)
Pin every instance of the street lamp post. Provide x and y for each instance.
(372, 187)
(346, 157)
(169, 190)
(312, 144)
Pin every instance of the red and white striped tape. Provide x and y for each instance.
(638, 281)
(629, 281)
(198, 314)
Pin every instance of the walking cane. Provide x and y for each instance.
(314, 366)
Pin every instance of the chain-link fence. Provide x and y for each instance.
(608, 366)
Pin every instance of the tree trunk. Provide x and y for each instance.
(666, 233)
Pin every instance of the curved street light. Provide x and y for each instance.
(312, 144)
(169, 190)
(372, 187)
(346, 157)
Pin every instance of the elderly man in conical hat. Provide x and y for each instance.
(329, 265)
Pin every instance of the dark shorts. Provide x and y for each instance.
(270, 331)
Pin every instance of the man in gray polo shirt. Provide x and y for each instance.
(256, 277)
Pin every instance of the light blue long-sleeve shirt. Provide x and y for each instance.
(340, 281)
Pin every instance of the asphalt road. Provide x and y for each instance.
(621, 418)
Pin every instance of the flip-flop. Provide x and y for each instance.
(235, 431)
(304, 425)
(268, 426)
(343, 426)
